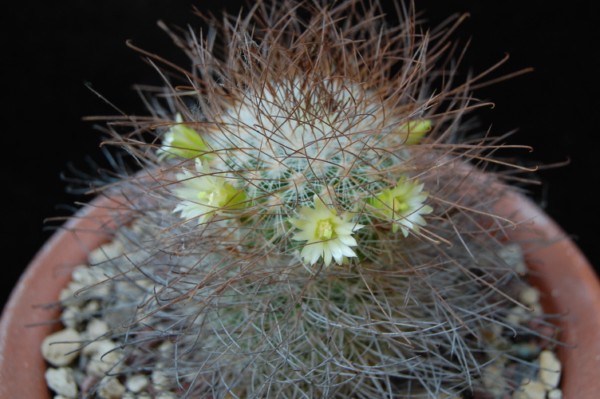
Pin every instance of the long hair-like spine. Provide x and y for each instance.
(305, 223)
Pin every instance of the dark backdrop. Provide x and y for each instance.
(54, 49)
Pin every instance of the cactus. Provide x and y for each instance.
(310, 220)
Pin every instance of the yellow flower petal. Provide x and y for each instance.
(327, 235)
(402, 205)
(414, 131)
(181, 141)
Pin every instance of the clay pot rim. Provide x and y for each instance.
(25, 314)
(573, 292)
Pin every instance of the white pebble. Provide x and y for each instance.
(61, 381)
(530, 296)
(61, 348)
(517, 315)
(513, 256)
(159, 378)
(549, 369)
(94, 347)
(491, 375)
(91, 280)
(100, 290)
(537, 309)
(106, 252)
(110, 388)
(96, 328)
(531, 390)
(65, 294)
(83, 275)
(166, 347)
(142, 395)
(75, 287)
(555, 394)
(70, 316)
(91, 307)
(166, 395)
(105, 359)
(136, 383)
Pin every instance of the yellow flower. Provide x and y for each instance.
(402, 205)
(204, 195)
(412, 132)
(181, 141)
(327, 235)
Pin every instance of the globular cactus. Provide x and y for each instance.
(310, 220)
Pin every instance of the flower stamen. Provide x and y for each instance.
(327, 235)
(402, 205)
(324, 229)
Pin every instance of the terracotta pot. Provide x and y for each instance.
(25, 320)
(569, 287)
(569, 284)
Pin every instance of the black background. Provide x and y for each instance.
(53, 49)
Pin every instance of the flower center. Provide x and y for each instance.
(208, 197)
(324, 229)
(218, 197)
(400, 205)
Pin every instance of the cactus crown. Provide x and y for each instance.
(317, 113)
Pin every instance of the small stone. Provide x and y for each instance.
(531, 390)
(96, 346)
(62, 347)
(555, 394)
(166, 347)
(99, 290)
(159, 379)
(537, 309)
(136, 383)
(61, 381)
(105, 359)
(141, 395)
(530, 296)
(106, 252)
(110, 388)
(91, 281)
(493, 379)
(96, 328)
(517, 315)
(166, 395)
(70, 316)
(549, 369)
(75, 288)
(91, 307)
(83, 275)
(65, 294)
(512, 254)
